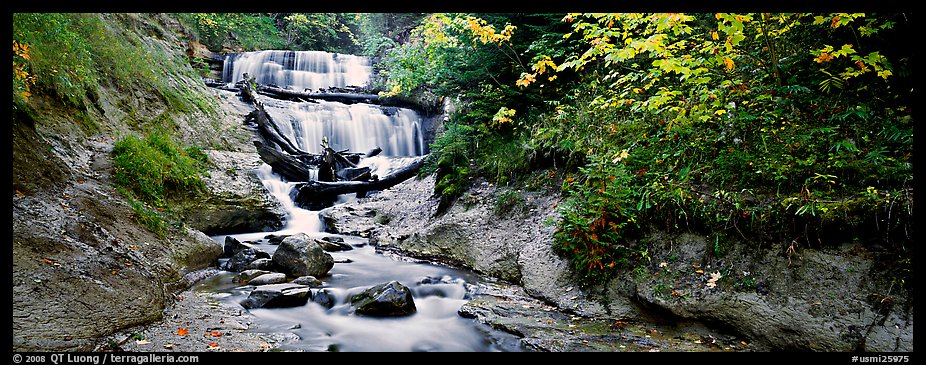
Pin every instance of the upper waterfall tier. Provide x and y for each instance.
(301, 70)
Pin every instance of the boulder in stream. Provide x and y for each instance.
(307, 280)
(385, 300)
(278, 296)
(245, 276)
(299, 255)
(324, 298)
(333, 244)
(241, 260)
(267, 279)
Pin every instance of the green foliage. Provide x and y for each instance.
(249, 31)
(509, 202)
(69, 57)
(155, 168)
(772, 127)
(331, 32)
(598, 221)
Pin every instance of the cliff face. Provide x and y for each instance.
(82, 266)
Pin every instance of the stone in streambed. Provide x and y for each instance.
(266, 279)
(307, 281)
(275, 239)
(299, 255)
(260, 264)
(333, 244)
(240, 261)
(385, 300)
(278, 296)
(246, 275)
(323, 298)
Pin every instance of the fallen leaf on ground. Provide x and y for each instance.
(265, 345)
(142, 342)
(712, 282)
(214, 346)
(183, 331)
(168, 346)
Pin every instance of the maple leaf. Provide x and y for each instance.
(214, 346)
(183, 331)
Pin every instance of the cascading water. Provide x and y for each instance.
(438, 291)
(301, 70)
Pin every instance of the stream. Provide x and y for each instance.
(438, 291)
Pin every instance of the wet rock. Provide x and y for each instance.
(277, 296)
(333, 244)
(233, 246)
(267, 279)
(246, 275)
(324, 298)
(384, 300)
(275, 239)
(299, 255)
(261, 264)
(235, 200)
(307, 281)
(240, 261)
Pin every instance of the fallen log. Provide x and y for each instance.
(288, 166)
(313, 194)
(268, 129)
(342, 97)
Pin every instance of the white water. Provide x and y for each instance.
(312, 70)
(438, 293)
(435, 326)
(358, 127)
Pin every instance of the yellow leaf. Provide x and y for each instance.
(823, 57)
(729, 63)
(714, 35)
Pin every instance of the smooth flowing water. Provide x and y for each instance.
(438, 291)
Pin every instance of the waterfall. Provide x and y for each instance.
(301, 70)
(358, 127)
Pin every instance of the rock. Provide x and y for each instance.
(275, 239)
(299, 255)
(324, 298)
(232, 246)
(331, 245)
(277, 296)
(308, 281)
(261, 264)
(246, 275)
(270, 278)
(384, 300)
(235, 201)
(240, 261)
